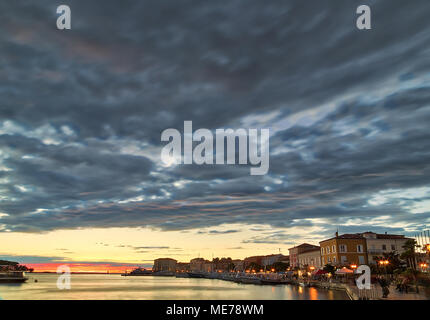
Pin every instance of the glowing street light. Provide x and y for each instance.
(312, 268)
(273, 270)
(384, 262)
(353, 266)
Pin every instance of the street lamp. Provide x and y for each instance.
(384, 263)
(353, 266)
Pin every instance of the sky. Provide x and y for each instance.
(82, 111)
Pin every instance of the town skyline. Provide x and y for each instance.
(121, 266)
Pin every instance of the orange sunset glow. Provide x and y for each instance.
(81, 267)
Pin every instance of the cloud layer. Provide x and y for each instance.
(82, 112)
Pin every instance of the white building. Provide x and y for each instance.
(271, 259)
(311, 258)
(378, 244)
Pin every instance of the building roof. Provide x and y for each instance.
(361, 236)
(165, 259)
(304, 245)
(390, 236)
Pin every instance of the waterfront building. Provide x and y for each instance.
(310, 258)
(285, 259)
(201, 265)
(344, 250)
(378, 244)
(271, 259)
(295, 251)
(223, 264)
(183, 267)
(252, 260)
(164, 264)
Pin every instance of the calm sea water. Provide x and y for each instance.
(85, 286)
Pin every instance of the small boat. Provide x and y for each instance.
(164, 273)
(12, 277)
(138, 272)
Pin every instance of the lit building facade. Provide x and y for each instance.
(164, 264)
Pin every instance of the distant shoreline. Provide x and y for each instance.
(74, 272)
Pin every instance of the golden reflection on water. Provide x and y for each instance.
(313, 294)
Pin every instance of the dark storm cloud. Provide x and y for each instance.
(82, 111)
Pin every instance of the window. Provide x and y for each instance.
(342, 248)
(343, 259)
(334, 259)
(361, 259)
(393, 247)
(328, 260)
(322, 250)
(328, 249)
(322, 259)
(359, 248)
(384, 247)
(333, 249)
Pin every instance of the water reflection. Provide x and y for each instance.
(117, 287)
(313, 294)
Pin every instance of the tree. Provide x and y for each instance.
(279, 266)
(394, 262)
(409, 253)
(329, 268)
(254, 266)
